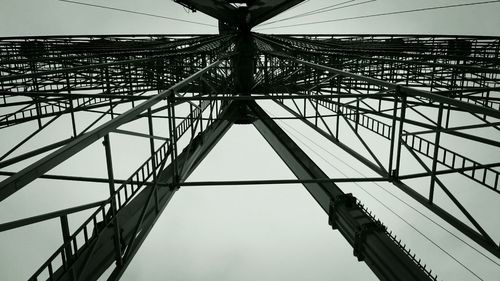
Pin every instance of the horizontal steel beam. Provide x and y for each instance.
(284, 181)
(278, 97)
(73, 178)
(130, 133)
(52, 215)
(34, 153)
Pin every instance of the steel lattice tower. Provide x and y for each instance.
(400, 97)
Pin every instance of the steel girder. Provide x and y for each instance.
(369, 238)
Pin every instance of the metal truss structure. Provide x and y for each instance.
(406, 99)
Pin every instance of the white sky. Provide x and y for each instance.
(232, 233)
(44, 17)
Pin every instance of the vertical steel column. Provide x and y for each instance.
(173, 138)
(66, 236)
(108, 91)
(266, 71)
(395, 173)
(152, 150)
(71, 107)
(36, 88)
(130, 86)
(339, 86)
(191, 120)
(113, 197)
(68, 254)
(356, 122)
(393, 133)
(435, 155)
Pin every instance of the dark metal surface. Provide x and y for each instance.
(246, 14)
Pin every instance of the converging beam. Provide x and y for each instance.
(371, 243)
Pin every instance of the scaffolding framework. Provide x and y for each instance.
(401, 97)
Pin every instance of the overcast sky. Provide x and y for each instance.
(231, 233)
(44, 17)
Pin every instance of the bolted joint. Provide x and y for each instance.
(174, 183)
(171, 97)
(394, 175)
(360, 236)
(346, 200)
(196, 143)
(243, 114)
(397, 90)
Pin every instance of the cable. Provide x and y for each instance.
(371, 195)
(399, 199)
(306, 13)
(296, 6)
(134, 12)
(383, 204)
(437, 224)
(322, 10)
(417, 230)
(338, 8)
(387, 14)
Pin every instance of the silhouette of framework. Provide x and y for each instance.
(406, 91)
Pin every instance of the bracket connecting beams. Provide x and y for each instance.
(371, 243)
(362, 227)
